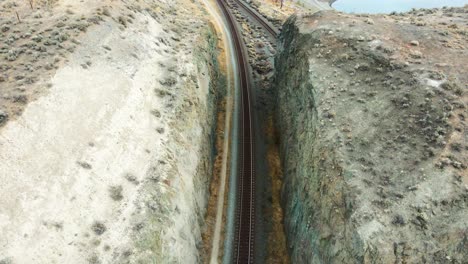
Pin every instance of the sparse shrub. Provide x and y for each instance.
(96, 242)
(81, 26)
(84, 165)
(57, 225)
(12, 55)
(458, 91)
(5, 28)
(60, 24)
(122, 20)
(131, 178)
(456, 147)
(61, 37)
(127, 253)
(22, 99)
(156, 113)
(398, 220)
(37, 38)
(115, 192)
(98, 228)
(96, 19)
(6, 261)
(106, 12)
(169, 81)
(138, 226)
(448, 85)
(94, 259)
(161, 93)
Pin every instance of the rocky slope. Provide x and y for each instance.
(108, 112)
(372, 120)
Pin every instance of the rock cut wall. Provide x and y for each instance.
(371, 115)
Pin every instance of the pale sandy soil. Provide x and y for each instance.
(106, 161)
(35, 42)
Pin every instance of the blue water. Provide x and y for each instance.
(387, 6)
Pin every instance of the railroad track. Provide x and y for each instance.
(260, 19)
(244, 236)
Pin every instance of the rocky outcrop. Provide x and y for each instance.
(372, 120)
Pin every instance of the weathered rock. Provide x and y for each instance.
(414, 43)
(359, 141)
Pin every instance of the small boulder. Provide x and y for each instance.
(414, 43)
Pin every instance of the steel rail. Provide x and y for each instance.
(244, 245)
(260, 19)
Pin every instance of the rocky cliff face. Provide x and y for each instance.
(107, 115)
(372, 120)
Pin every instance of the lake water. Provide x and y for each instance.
(387, 6)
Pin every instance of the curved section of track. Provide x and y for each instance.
(243, 240)
(260, 19)
(244, 235)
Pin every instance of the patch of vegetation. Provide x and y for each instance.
(169, 81)
(161, 93)
(115, 192)
(94, 259)
(122, 20)
(6, 261)
(98, 228)
(84, 165)
(155, 113)
(131, 178)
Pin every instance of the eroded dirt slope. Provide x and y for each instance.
(106, 144)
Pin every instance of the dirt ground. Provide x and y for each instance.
(106, 116)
